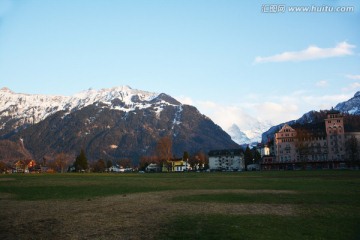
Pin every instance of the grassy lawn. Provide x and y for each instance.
(326, 203)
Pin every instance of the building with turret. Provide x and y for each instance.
(306, 149)
(335, 135)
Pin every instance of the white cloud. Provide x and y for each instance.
(352, 87)
(311, 53)
(224, 115)
(324, 101)
(354, 77)
(276, 109)
(185, 100)
(322, 84)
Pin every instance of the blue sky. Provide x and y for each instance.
(235, 62)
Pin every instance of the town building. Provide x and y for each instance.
(226, 160)
(24, 166)
(265, 150)
(176, 165)
(335, 135)
(153, 167)
(316, 149)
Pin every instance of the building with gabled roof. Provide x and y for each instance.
(24, 166)
(313, 148)
(226, 160)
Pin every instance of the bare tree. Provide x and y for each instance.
(2, 167)
(203, 159)
(62, 160)
(198, 160)
(164, 150)
(146, 160)
(99, 166)
(125, 162)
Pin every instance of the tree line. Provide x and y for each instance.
(163, 155)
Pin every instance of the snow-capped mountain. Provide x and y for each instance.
(17, 109)
(251, 134)
(255, 129)
(351, 106)
(26, 108)
(237, 135)
(109, 124)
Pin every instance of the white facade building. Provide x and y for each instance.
(226, 160)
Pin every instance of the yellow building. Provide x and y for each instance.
(176, 165)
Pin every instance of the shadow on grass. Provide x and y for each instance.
(261, 227)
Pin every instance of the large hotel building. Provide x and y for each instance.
(299, 149)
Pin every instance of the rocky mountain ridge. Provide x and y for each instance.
(351, 106)
(108, 123)
(18, 109)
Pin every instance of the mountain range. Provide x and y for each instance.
(120, 122)
(114, 123)
(350, 108)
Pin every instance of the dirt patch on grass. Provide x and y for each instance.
(6, 179)
(130, 216)
(4, 196)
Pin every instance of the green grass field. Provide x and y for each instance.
(326, 204)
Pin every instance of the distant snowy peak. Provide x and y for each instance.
(237, 135)
(20, 108)
(251, 134)
(351, 106)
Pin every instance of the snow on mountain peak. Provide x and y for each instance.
(32, 108)
(351, 106)
(250, 133)
(106, 95)
(237, 135)
(5, 89)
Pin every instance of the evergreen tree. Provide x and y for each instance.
(256, 155)
(352, 148)
(248, 157)
(109, 163)
(186, 159)
(81, 161)
(186, 156)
